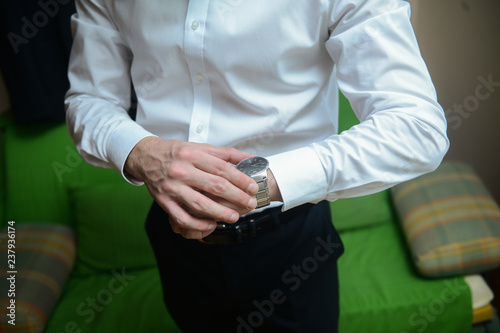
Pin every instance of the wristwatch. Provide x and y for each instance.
(256, 167)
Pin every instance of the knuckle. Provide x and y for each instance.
(177, 171)
(165, 191)
(218, 186)
(223, 169)
(198, 204)
(175, 227)
(185, 153)
(181, 223)
(164, 187)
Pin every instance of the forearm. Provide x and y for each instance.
(368, 158)
(103, 133)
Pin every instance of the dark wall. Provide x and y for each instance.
(35, 43)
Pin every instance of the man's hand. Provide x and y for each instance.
(193, 183)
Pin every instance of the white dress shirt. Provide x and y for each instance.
(261, 76)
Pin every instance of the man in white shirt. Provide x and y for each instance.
(220, 81)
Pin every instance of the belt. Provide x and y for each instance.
(251, 226)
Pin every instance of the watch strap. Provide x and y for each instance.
(263, 196)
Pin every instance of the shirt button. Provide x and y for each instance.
(200, 78)
(199, 129)
(195, 25)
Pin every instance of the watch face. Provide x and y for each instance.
(253, 165)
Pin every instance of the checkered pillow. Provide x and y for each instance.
(44, 257)
(450, 221)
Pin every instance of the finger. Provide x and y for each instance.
(202, 205)
(174, 226)
(228, 204)
(218, 187)
(180, 219)
(194, 158)
(230, 155)
(190, 234)
(214, 160)
(196, 202)
(229, 173)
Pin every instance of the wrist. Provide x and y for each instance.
(274, 189)
(131, 168)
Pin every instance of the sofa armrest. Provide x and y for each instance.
(38, 258)
(450, 221)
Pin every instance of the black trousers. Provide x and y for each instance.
(283, 280)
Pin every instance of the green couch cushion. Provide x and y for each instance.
(109, 220)
(347, 117)
(120, 300)
(35, 188)
(450, 220)
(380, 292)
(38, 162)
(42, 256)
(361, 211)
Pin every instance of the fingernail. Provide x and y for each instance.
(253, 188)
(252, 203)
(235, 217)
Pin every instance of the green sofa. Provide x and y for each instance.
(103, 276)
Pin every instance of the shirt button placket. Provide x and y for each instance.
(194, 50)
(199, 129)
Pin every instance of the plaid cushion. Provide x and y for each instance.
(450, 221)
(44, 257)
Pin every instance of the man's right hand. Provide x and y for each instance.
(194, 183)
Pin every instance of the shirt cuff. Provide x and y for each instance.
(300, 177)
(121, 143)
